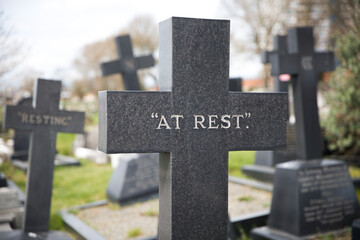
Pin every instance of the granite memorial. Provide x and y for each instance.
(44, 120)
(127, 64)
(135, 178)
(193, 121)
(317, 192)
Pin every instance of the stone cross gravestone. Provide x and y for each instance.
(311, 195)
(265, 161)
(304, 65)
(127, 64)
(193, 121)
(22, 138)
(44, 120)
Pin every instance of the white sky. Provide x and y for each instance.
(54, 31)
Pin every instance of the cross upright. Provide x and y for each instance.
(127, 64)
(304, 65)
(44, 120)
(193, 121)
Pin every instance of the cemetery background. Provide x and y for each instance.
(67, 194)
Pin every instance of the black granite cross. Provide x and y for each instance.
(193, 121)
(304, 65)
(127, 64)
(44, 120)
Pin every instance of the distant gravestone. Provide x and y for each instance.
(44, 120)
(311, 195)
(235, 84)
(22, 138)
(127, 64)
(134, 179)
(193, 122)
(265, 161)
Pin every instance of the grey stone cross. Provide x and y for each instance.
(127, 64)
(193, 121)
(304, 65)
(44, 120)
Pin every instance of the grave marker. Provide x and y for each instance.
(304, 65)
(192, 122)
(127, 64)
(317, 192)
(44, 120)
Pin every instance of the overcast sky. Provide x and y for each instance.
(54, 31)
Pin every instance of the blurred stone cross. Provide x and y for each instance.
(44, 120)
(127, 64)
(304, 65)
(193, 121)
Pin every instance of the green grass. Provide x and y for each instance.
(134, 232)
(64, 143)
(237, 159)
(246, 199)
(71, 186)
(150, 213)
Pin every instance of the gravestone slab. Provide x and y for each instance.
(127, 64)
(193, 121)
(44, 120)
(134, 179)
(22, 138)
(311, 194)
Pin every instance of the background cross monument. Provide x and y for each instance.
(44, 120)
(127, 64)
(304, 65)
(193, 121)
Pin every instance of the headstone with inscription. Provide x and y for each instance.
(127, 64)
(265, 161)
(44, 120)
(193, 121)
(134, 179)
(311, 195)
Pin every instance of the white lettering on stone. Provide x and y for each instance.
(199, 122)
(163, 123)
(225, 119)
(177, 126)
(212, 119)
(306, 63)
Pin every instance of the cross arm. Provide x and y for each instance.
(283, 64)
(265, 56)
(325, 61)
(145, 61)
(25, 118)
(128, 121)
(111, 67)
(262, 121)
